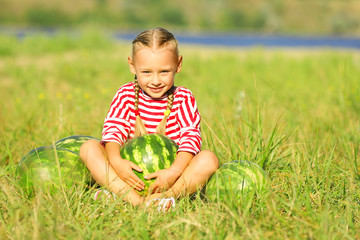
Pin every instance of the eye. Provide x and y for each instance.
(145, 72)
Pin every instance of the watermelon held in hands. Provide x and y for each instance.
(48, 169)
(237, 181)
(151, 152)
(73, 143)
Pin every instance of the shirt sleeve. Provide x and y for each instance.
(116, 125)
(189, 121)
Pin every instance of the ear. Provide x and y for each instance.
(179, 65)
(131, 65)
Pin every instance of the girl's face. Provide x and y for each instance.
(155, 69)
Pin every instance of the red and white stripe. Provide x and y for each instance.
(183, 123)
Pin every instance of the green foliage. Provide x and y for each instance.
(235, 19)
(173, 16)
(279, 16)
(47, 17)
(294, 112)
(343, 23)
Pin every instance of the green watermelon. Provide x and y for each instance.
(236, 181)
(73, 143)
(39, 169)
(151, 152)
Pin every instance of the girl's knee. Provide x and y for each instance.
(209, 160)
(86, 146)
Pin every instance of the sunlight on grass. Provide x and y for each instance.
(294, 112)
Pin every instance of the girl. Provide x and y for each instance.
(152, 104)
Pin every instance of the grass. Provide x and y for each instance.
(294, 112)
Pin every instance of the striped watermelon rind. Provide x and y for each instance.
(73, 143)
(237, 181)
(151, 152)
(38, 170)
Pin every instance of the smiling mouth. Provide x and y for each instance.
(156, 90)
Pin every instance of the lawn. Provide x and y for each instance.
(295, 112)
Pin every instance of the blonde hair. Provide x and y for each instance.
(153, 38)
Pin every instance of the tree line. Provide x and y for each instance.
(272, 16)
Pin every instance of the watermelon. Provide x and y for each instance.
(236, 181)
(39, 169)
(151, 152)
(73, 143)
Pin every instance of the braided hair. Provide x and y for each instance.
(139, 125)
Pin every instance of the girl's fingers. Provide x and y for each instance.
(135, 167)
(153, 187)
(135, 185)
(154, 190)
(151, 175)
(133, 176)
(136, 182)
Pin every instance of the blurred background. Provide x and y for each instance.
(293, 17)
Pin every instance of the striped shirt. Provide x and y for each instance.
(183, 123)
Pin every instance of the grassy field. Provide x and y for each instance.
(295, 112)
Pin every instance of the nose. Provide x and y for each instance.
(156, 80)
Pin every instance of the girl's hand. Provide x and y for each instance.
(124, 169)
(164, 179)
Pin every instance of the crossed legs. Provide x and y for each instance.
(195, 176)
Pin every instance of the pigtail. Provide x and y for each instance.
(139, 124)
(161, 128)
